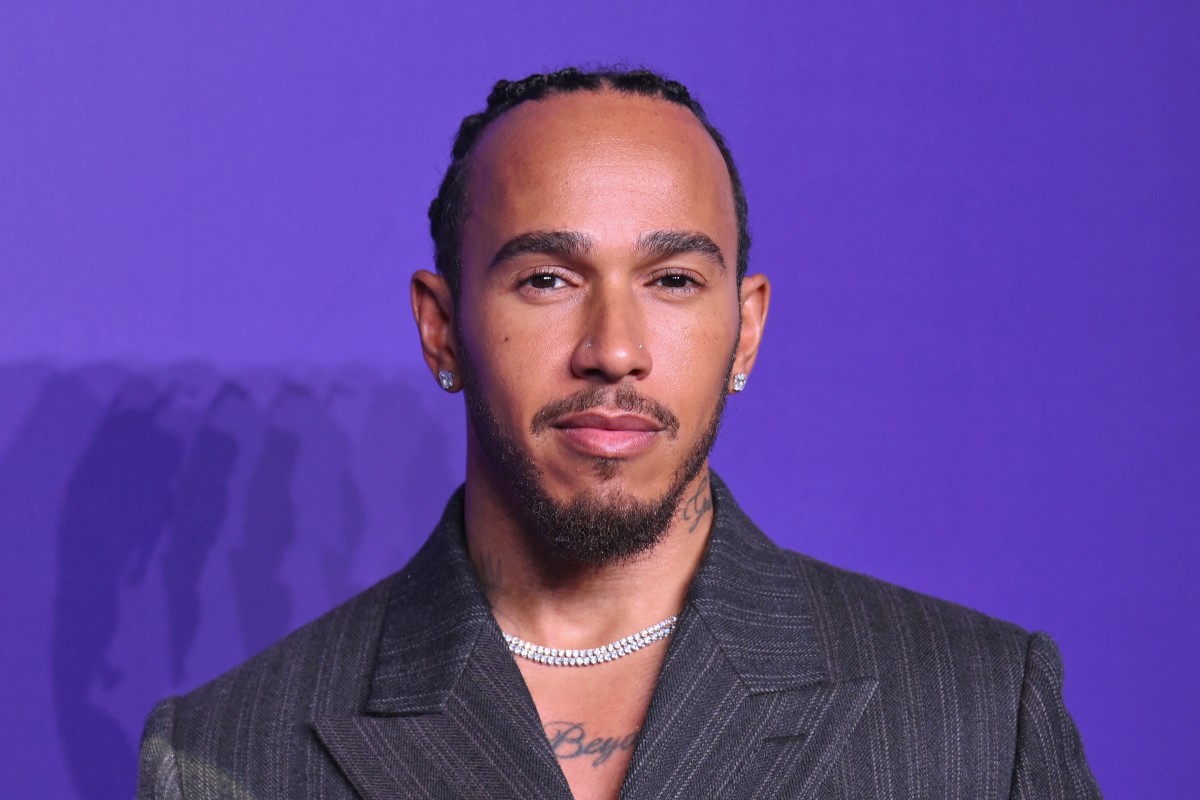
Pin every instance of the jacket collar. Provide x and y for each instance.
(747, 679)
(436, 612)
(752, 600)
(747, 704)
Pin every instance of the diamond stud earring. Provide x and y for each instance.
(739, 381)
(446, 380)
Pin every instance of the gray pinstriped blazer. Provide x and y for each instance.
(786, 678)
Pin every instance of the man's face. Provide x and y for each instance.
(599, 312)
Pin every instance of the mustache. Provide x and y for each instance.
(624, 397)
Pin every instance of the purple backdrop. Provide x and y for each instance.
(980, 379)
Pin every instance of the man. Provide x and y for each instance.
(594, 616)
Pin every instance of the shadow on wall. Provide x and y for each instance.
(196, 517)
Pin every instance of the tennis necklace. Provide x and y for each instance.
(554, 657)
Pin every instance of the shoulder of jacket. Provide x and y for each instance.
(349, 631)
(841, 593)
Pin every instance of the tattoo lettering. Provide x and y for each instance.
(696, 506)
(569, 740)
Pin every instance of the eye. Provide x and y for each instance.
(543, 281)
(676, 281)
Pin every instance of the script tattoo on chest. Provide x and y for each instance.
(570, 740)
(696, 506)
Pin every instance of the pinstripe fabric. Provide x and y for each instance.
(786, 678)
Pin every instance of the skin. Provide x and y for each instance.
(612, 170)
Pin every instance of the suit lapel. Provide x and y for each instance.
(482, 745)
(746, 704)
(448, 714)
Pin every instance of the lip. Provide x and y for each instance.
(622, 421)
(597, 434)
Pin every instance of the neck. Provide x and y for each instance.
(546, 601)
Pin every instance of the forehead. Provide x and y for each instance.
(625, 163)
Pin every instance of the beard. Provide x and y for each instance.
(595, 528)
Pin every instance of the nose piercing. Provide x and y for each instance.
(588, 345)
(640, 346)
(739, 381)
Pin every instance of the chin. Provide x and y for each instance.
(607, 477)
(608, 517)
(599, 526)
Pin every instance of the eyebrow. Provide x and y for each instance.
(572, 244)
(553, 243)
(664, 244)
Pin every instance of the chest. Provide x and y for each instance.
(592, 717)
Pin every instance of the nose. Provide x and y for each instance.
(612, 345)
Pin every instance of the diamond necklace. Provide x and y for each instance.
(554, 657)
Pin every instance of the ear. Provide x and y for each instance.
(755, 300)
(433, 309)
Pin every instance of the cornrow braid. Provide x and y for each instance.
(447, 212)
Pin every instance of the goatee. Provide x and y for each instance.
(595, 528)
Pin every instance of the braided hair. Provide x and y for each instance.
(448, 209)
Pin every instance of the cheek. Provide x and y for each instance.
(692, 352)
(511, 359)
